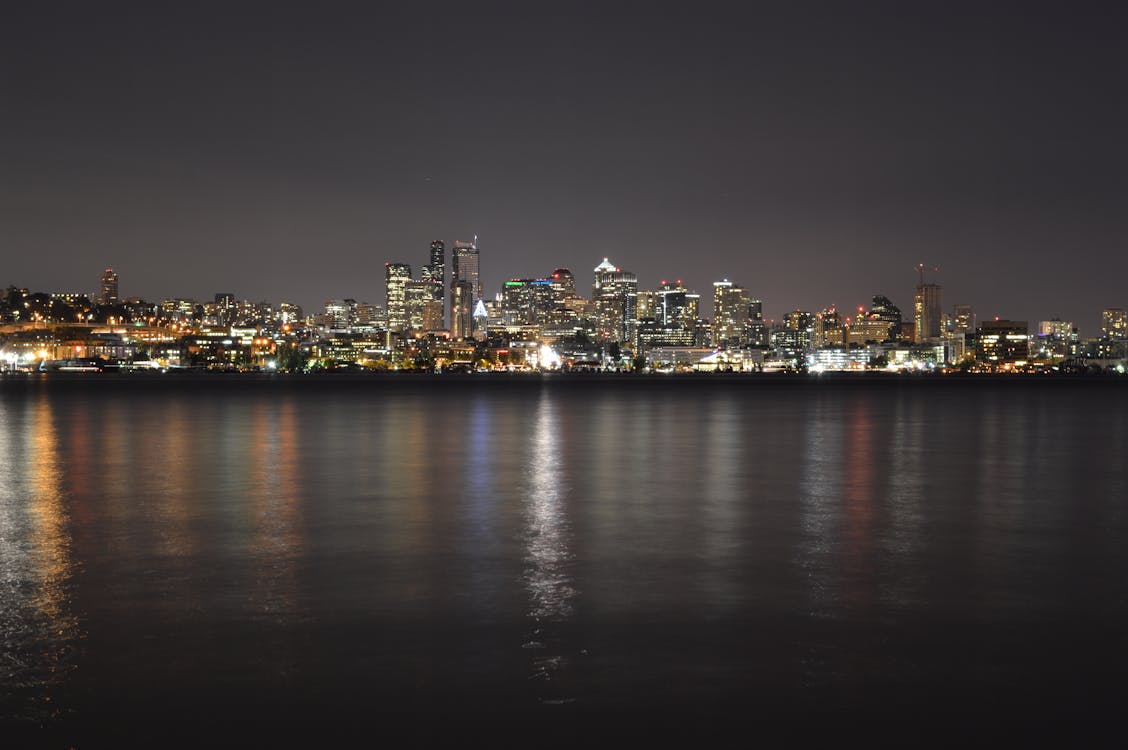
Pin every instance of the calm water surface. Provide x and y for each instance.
(340, 552)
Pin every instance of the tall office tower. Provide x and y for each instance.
(731, 308)
(563, 286)
(465, 288)
(926, 312)
(674, 305)
(436, 269)
(828, 328)
(1114, 324)
(883, 309)
(435, 272)
(614, 293)
(396, 278)
(109, 287)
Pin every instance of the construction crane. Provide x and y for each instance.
(920, 270)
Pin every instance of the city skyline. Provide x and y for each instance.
(1089, 322)
(814, 153)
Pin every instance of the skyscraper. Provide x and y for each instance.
(109, 287)
(926, 312)
(396, 277)
(435, 272)
(614, 293)
(465, 288)
(730, 314)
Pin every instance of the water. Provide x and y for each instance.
(293, 555)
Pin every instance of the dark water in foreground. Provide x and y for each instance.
(356, 553)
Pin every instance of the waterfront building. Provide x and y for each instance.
(1000, 342)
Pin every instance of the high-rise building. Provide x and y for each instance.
(435, 272)
(614, 293)
(1114, 324)
(883, 309)
(759, 334)
(527, 302)
(563, 285)
(396, 278)
(828, 328)
(731, 307)
(436, 269)
(109, 287)
(465, 288)
(926, 313)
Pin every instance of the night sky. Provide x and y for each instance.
(814, 153)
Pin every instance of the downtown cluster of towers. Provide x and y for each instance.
(443, 314)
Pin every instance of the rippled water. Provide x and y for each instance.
(676, 552)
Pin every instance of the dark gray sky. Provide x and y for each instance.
(814, 152)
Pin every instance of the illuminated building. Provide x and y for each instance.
(339, 314)
(962, 320)
(109, 294)
(614, 293)
(396, 278)
(1114, 324)
(465, 288)
(883, 309)
(828, 330)
(435, 272)
(793, 339)
(730, 314)
(527, 301)
(563, 286)
(645, 305)
(926, 313)
(867, 328)
(758, 333)
(1002, 341)
(423, 302)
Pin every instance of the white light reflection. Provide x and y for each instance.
(548, 557)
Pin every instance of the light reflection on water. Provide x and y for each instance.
(476, 543)
(547, 538)
(39, 629)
